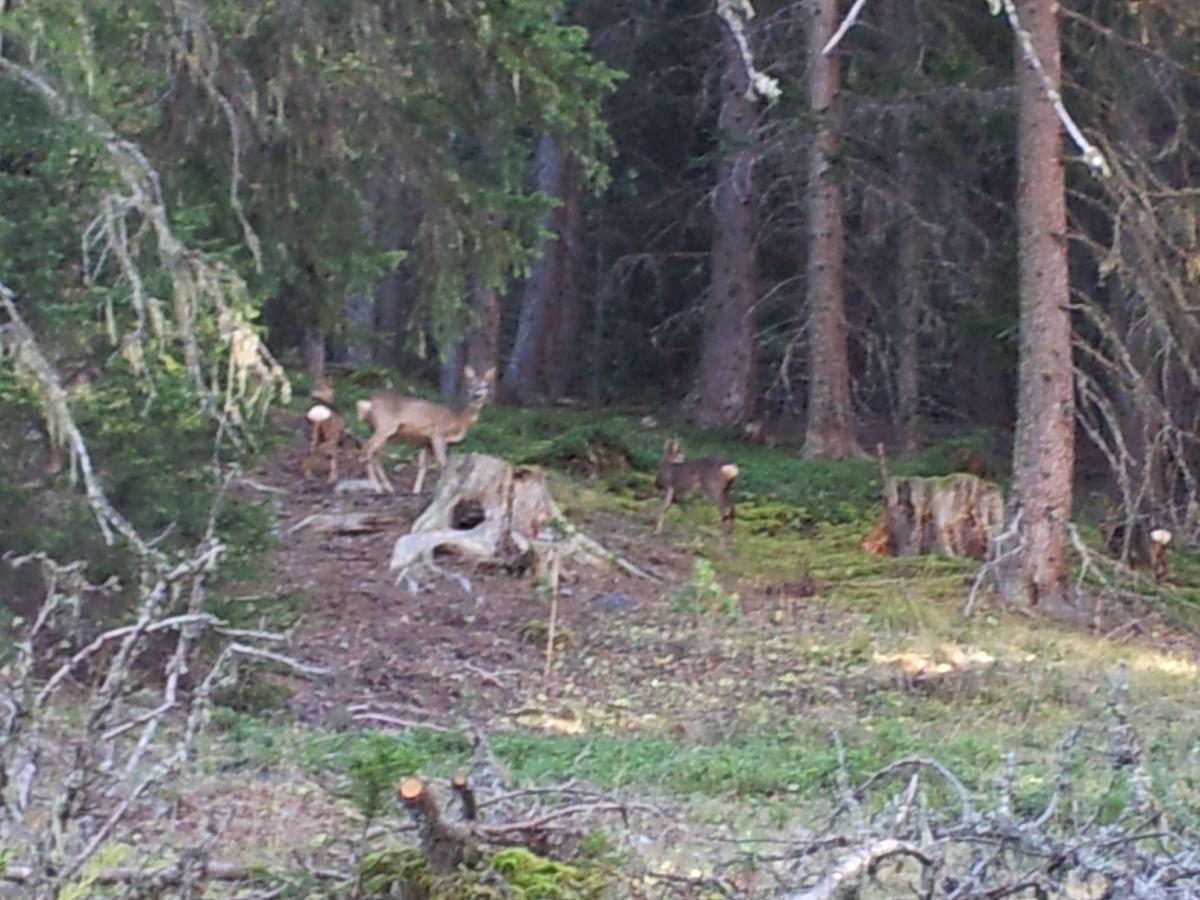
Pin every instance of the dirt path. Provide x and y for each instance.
(467, 645)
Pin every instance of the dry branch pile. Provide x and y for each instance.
(67, 788)
(907, 844)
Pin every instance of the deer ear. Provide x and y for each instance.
(469, 373)
(490, 374)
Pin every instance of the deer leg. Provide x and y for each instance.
(420, 471)
(728, 517)
(439, 451)
(375, 473)
(382, 478)
(333, 463)
(668, 496)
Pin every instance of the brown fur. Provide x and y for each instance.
(678, 477)
(326, 430)
(429, 426)
(1146, 546)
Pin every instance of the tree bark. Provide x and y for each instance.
(1035, 574)
(450, 371)
(908, 360)
(723, 390)
(523, 374)
(392, 295)
(483, 343)
(479, 348)
(359, 311)
(562, 354)
(829, 432)
(314, 353)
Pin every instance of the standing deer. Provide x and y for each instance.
(326, 430)
(678, 477)
(420, 422)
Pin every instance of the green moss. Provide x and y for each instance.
(510, 873)
(404, 868)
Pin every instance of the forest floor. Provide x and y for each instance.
(713, 695)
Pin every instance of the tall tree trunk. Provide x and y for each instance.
(359, 312)
(723, 390)
(314, 353)
(450, 371)
(392, 296)
(562, 353)
(1044, 451)
(482, 345)
(830, 428)
(523, 374)
(912, 290)
(597, 346)
(390, 302)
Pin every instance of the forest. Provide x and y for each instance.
(563, 449)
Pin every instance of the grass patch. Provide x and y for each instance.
(796, 765)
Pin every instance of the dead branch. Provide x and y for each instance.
(1091, 155)
(966, 809)
(466, 795)
(854, 866)
(397, 722)
(96, 794)
(343, 523)
(17, 341)
(847, 24)
(149, 877)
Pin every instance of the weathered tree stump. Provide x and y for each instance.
(487, 509)
(951, 515)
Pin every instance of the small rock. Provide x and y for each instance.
(611, 602)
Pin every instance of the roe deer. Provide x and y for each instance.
(1137, 544)
(678, 477)
(326, 430)
(420, 422)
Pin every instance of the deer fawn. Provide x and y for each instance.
(326, 430)
(420, 422)
(678, 477)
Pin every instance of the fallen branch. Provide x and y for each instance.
(847, 24)
(836, 883)
(148, 877)
(343, 523)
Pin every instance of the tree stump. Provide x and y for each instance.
(487, 509)
(953, 515)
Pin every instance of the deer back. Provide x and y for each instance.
(416, 420)
(709, 476)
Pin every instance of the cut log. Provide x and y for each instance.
(953, 515)
(486, 509)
